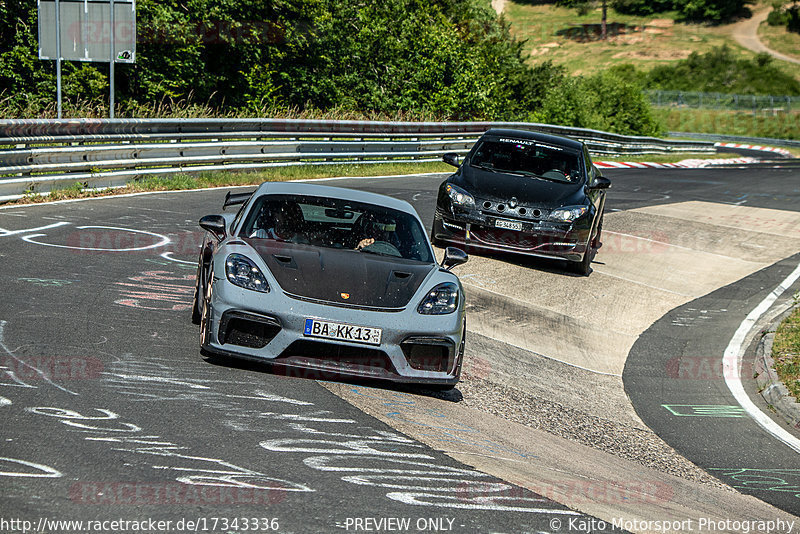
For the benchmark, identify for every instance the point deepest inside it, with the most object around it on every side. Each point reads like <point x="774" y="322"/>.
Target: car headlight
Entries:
<point x="568" y="214"/>
<point x="440" y="300"/>
<point x="243" y="273"/>
<point x="459" y="196"/>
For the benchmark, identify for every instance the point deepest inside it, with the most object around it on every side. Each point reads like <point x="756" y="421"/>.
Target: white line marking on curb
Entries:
<point x="732" y="360"/>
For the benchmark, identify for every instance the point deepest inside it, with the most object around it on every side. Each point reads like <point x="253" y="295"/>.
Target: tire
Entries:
<point x="597" y="241"/>
<point x="205" y="320"/>
<point x="196" y="313"/>
<point x="584" y="267"/>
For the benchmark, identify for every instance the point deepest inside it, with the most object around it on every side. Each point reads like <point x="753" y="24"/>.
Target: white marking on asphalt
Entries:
<point x="311" y="418"/>
<point x="26" y="364"/>
<point x="732" y="361"/>
<point x="262" y="395"/>
<point x="168" y="256"/>
<point x="4" y="232"/>
<point x="162" y="379"/>
<point x="164" y="240"/>
<point x="46" y="472"/>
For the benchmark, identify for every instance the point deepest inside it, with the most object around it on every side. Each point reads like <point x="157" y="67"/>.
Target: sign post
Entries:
<point x="58" y="56"/>
<point x="88" y="30"/>
<point x="112" y="55"/>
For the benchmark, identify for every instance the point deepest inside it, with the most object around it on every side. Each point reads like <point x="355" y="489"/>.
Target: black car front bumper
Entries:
<point x="566" y="241"/>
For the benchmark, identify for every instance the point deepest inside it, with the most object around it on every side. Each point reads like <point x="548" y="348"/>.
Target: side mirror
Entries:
<point x="214" y="224"/>
<point x="600" y="182"/>
<point x="451" y="158"/>
<point x="454" y="256"/>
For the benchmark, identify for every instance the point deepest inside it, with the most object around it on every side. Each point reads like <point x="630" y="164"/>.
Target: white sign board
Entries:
<point x="86" y="30"/>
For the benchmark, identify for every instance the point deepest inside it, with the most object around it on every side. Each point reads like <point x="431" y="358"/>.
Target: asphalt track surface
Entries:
<point x="111" y="413"/>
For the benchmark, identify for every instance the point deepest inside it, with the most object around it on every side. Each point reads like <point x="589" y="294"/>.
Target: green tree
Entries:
<point x="721" y="71"/>
<point x="642" y="7"/>
<point x="605" y="101"/>
<point x="585" y="6"/>
<point x="712" y="10"/>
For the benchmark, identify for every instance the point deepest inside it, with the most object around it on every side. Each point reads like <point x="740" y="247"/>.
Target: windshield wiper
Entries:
<point x="484" y="167"/>
<point x="377" y="253"/>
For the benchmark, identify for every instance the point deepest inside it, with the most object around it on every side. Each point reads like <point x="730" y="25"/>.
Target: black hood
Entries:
<point x="327" y="273"/>
<point x="527" y="190"/>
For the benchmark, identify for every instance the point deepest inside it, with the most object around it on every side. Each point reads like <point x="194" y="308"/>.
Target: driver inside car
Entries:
<point x="281" y="223"/>
<point x="375" y="230"/>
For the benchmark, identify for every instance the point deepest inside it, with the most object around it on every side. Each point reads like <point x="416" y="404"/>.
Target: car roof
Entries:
<point x="314" y="190"/>
<point x="536" y="136"/>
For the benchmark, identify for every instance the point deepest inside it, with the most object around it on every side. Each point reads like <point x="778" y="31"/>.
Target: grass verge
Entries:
<point x="780" y="39"/>
<point x="202" y="180"/>
<point x="786" y="352"/>
<point x="780" y="125"/>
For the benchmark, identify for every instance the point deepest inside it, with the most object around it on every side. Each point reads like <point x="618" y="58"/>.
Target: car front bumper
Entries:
<point x="537" y="238"/>
<point x="414" y="348"/>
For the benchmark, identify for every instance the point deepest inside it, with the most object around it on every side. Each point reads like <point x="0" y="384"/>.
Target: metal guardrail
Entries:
<point x="41" y="155"/>
<point x="719" y="138"/>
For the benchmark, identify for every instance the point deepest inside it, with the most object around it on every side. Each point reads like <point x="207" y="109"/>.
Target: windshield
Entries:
<point x="335" y="223"/>
<point x="528" y="158"/>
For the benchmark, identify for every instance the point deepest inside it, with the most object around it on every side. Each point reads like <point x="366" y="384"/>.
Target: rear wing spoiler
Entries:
<point x="234" y="199"/>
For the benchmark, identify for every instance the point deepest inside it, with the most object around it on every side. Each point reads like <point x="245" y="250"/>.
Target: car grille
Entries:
<point x="429" y="354"/>
<point x="245" y="330"/>
<point x="521" y="212"/>
<point x="508" y="238"/>
<point x="344" y="354"/>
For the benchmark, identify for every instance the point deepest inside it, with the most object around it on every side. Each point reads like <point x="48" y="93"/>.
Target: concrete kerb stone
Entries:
<point x="770" y="386"/>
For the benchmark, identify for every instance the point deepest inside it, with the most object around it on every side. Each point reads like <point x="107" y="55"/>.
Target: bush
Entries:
<point x="785" y="16"/>
<point x="605" y="101"/>
<point x="712" y="10"/>
<point x="720" y="71"/>
<point x="642" y="7"/>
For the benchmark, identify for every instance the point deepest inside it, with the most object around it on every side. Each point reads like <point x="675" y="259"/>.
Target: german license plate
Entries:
<point x="343" y="332"/>
<point x="508" y="225"/>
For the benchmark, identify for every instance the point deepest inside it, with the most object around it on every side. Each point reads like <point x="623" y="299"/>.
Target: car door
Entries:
<point x="596" y="196"/>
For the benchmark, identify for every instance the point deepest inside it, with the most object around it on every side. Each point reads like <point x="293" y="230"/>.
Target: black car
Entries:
<point x="524" y="192"/>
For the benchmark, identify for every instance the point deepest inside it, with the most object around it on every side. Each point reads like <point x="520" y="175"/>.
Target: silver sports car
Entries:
<point x="331" y="281"/>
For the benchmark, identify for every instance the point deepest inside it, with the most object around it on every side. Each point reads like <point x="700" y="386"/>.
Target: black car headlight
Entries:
<point x="459" y="197"/>
<point x="440" y="300"/>
<point x="242" y="272"/>
<point x="568" y="214"/>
